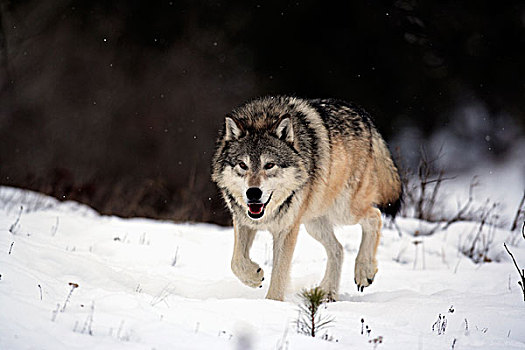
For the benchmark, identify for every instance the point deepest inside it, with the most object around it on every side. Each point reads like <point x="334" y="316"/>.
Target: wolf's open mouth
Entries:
<point x="256" y="209"/>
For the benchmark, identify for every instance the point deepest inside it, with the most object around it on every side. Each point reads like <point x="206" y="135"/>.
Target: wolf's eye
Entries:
<point x="268" y="166"/>
<point x="243" y="166"/>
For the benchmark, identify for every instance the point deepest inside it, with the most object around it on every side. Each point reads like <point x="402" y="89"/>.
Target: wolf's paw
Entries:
<point x="331" y="296"/>
<point x="331" y="293"/>
<point x="365" y="271"/>
<point x="248" y="272"/>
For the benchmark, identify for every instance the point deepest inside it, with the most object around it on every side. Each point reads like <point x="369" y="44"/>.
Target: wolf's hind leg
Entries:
<point x="322" y="230"/>
<point x="242" y="266"/>
<point x="366" y="263"/>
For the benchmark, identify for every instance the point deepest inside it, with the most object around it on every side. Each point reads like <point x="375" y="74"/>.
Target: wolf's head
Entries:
<point x="258" y="166"/>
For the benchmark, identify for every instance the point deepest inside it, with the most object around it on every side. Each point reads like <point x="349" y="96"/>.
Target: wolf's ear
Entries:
<point x="284" y="130"/>
<point x="233" y="131"/>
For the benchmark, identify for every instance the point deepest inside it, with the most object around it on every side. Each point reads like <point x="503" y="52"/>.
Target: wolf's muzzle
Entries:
<point x="255" y="207"/>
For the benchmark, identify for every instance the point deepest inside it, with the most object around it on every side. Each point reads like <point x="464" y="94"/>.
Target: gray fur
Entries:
<point x="318" y="162"/>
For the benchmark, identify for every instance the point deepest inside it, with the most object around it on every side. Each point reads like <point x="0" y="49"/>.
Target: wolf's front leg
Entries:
<point x="242" y="266"/>
<point x="323" y="231"/>
<point x="366" y="263"/>
<point x="283" y="247"/>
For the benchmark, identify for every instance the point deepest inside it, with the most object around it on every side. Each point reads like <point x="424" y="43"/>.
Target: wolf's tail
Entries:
<point x="390" y="189"/>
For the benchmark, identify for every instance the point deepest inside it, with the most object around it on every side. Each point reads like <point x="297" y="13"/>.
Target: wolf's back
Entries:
<point x="350" y="120"/>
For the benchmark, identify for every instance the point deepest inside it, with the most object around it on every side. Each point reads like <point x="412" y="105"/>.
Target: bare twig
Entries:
<point x="89" y="321"/>
<point x="161" y="297"/>
<point x="461" y="212"/>
<point x="73" y="287"/>
<point x="522" y="271"/>
<point x="16" y="224"/>
<point x="423" y="173"/>
<point x="174" y="261"/>
<point x="432" y="200"/>
<point x="440" y="326"/>
<point x="440" y="179"/>
<point x="422" y="188"/>
<point x="55" y="313"/>
<point x="54" y="228"/>
<point x="399" y="232"/>
<point x="425" y="206"/>
<point x="518" y="213"/>
<point x="478" y="253"/>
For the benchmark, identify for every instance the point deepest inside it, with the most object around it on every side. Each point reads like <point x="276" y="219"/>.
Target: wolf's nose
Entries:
<point x="254" y="194"/>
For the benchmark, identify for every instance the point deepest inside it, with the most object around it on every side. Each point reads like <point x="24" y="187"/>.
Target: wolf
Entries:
<point x="283" y="161"/>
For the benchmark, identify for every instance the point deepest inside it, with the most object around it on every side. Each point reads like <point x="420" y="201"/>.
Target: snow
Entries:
<point x="129" y="295"/>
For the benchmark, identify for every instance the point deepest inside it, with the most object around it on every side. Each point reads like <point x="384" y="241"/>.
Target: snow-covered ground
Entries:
<point x="145" y="284"/>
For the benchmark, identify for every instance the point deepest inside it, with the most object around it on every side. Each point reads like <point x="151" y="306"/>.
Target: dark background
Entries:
<point x="117" y="103"/>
